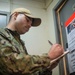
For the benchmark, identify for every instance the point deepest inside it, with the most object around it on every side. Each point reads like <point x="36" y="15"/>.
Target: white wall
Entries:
<point x="36" y="39"/>
<point x="52" y="28"/>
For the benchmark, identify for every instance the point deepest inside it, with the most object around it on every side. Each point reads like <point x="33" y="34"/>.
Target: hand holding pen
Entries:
<point x="58" y="56"/>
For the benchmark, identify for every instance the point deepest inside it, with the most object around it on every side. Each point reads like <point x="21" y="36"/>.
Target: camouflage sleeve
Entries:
<point x="27" y="64"/>
<point x="45" y="72"/>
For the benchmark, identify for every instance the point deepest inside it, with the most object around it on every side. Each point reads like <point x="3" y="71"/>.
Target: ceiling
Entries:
<point x="39" y="0"/>
<point x="46" y="2"/>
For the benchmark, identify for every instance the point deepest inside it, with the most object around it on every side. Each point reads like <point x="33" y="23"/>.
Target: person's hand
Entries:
<point x="55" y="51"/>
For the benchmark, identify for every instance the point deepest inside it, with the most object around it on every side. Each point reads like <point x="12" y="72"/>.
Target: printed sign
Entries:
<point x="70" y="32"/>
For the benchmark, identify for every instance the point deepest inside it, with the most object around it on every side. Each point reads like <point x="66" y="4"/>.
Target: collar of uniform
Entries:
<point x="14" y="33"/>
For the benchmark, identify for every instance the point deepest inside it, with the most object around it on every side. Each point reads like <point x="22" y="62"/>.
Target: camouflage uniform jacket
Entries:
<point x="14" y="59"/>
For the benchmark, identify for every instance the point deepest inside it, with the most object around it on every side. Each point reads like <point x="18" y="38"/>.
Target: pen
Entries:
<point x="50" y="43"/>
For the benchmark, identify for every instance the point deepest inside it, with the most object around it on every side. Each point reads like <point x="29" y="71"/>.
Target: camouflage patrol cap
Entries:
<point x="36" y="20"/>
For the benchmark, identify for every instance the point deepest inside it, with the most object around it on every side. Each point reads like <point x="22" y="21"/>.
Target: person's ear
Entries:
<point x="15" y="15"/>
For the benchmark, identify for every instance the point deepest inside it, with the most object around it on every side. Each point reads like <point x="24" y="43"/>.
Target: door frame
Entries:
<point x="56" y="12"/>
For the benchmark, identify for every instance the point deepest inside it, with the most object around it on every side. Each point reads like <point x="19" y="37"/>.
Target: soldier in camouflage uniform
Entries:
<point x="14" y="59"/>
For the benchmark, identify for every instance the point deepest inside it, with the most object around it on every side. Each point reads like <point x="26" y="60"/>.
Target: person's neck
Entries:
<point x="11" y="27"/>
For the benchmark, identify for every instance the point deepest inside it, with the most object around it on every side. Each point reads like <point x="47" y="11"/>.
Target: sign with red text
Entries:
<point x="70" y="32"/>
